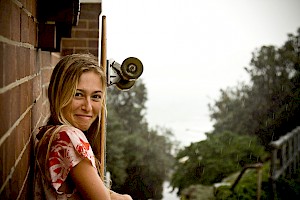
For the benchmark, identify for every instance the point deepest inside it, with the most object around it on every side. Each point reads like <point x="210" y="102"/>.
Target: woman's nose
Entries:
<point x="87" y="106"/>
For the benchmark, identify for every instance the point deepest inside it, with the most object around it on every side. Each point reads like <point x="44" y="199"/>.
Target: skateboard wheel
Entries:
<point x="124" y="84"/>
<point x="131" y="68"/>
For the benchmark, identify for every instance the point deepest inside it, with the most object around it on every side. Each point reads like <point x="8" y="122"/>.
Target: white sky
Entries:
<point x="191" y="49"/>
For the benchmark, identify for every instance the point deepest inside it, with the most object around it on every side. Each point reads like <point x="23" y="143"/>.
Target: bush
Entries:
<point x="197" y="192"/>
<point x="247" y="186"/>
<point x="287" y="188"/>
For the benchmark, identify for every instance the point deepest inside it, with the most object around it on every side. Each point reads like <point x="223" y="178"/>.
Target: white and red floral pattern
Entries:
<point x="62" y="156"/>
<point x="68" y="148"/>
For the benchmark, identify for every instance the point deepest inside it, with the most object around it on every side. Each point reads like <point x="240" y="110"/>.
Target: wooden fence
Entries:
<point x="285" y="157"/>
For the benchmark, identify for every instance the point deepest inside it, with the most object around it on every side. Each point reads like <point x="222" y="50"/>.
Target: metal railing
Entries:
<point x="258" y="167"/>
<point x="285" y="157"/>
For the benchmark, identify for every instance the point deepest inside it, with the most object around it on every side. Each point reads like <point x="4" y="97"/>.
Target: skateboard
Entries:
<point x="124" y="75"/>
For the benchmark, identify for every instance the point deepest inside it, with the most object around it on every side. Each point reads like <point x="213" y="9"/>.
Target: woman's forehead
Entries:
<point x="91" y="81"/>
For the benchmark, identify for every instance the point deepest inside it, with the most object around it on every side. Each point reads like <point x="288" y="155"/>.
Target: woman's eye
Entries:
<point x="78" y="94"/>
<point x="96" y="96"/>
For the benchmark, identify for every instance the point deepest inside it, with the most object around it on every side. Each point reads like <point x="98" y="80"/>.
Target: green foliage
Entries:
<point x="269" y="106"/>
<point x="263" y="110"/>
<point x="247" y="187"/>
<point x="289" y="187"/>
<point x="197" y="192"/>
<point x="138" y="159"/>
<point x="211" y="160"/>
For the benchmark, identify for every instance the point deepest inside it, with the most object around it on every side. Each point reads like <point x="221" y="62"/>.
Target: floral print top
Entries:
<point x="60" y="149"/>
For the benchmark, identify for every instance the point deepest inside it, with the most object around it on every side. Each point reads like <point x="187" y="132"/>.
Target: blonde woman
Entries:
<point x="66" y="166"/>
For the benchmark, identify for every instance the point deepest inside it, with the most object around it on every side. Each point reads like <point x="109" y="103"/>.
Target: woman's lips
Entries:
<point x="84" y="117"/>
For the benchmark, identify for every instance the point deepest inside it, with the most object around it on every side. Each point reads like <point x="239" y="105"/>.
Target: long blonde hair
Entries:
<point x="62" y="88"/>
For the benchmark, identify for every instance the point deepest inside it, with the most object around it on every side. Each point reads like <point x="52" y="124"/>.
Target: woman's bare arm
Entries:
<point x="90" y="185"/>
<point x="88" y="182"/>
<point x="116" y="196"/>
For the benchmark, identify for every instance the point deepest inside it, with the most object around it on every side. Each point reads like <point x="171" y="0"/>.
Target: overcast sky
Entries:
<point x="191" y="49"/>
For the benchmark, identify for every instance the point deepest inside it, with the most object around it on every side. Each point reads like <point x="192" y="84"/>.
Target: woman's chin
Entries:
<point x="83" y="127"/>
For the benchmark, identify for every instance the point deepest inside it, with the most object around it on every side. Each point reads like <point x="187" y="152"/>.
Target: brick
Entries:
<point x="46" y="110"/>
<point x="67" y="43"/>
<point x="29" y="6"/>
<point x="93" y="43"/>
<point x="86" y="34"/>
<point x="7" y="151"/>
<point x="34" y="68"/>
<point x="4" y="114"/>
<point x="5" y="16"/>
<point x="45" y="59"/>
<point x="15" y="104"/>
<point x="82" y="24"/>
<point x="15" y="23"/>
<point x="44" y="93"/>
<point x="27" y="193"/>
<point x="32" y="32"/>
<point x="18" y="146"/>
<point x="90" y="10"/>
<point x="15" y="186"/>
<point x="19" y="175"/>
<point x="24" y="27"/>
<point x="36" y="114"/>
<point x="6" y="192"/>
<point x="1" y="65"/>
<point x="94" y="34"/>
<point x="9" y="63"/>
<point x="93" y="24"/>
<point x="36" y="88"/>
<point x="3" y="170"/>
<point x="37" y="111"/>
<point x="46" y="75"/>
<point x="27" y="67"/>
<point x="24" y="97"/>
<point x="30" y="92"/>
<point x="33" y="8"/>
<point x="80" y="34"/>
<point x="20" y="62"/>
<point x="24" y="194"/>
<point x="25" y="129"/>
<point x="23" y="2"/>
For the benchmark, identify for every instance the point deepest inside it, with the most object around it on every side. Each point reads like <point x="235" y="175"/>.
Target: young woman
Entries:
<point x="66" y="166"/>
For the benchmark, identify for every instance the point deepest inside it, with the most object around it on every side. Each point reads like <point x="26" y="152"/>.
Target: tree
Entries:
<point x="269" y="106"/>
<point x="139" y="159"/>
<point x="246" y="116"/>
<point x="209" y="161"/>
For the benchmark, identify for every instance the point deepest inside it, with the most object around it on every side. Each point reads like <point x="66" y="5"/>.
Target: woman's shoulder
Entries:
<point x="58" y="129"/>
<point x="72" y="131"/>
<point x="69" y="128"/>
<point x="74" y="136"/>
<point x="61" y="132"/>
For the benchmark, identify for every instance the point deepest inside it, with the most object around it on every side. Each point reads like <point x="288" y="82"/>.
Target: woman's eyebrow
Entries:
<point x="81" y="90"/>
<point x="100" y="91"/>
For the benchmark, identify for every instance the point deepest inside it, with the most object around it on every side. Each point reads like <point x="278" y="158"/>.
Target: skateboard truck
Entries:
<point x="124" y="75"/>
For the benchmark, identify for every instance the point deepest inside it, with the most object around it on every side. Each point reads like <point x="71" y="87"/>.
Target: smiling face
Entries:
<point x="85" y="106"/>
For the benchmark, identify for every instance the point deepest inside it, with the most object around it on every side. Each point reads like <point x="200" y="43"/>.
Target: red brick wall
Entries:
<point x="24" y="77"/>
<point x="85" y="35"/>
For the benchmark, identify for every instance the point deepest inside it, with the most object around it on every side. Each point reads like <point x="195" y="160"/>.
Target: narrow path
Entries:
<point x="167" y="194"/>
